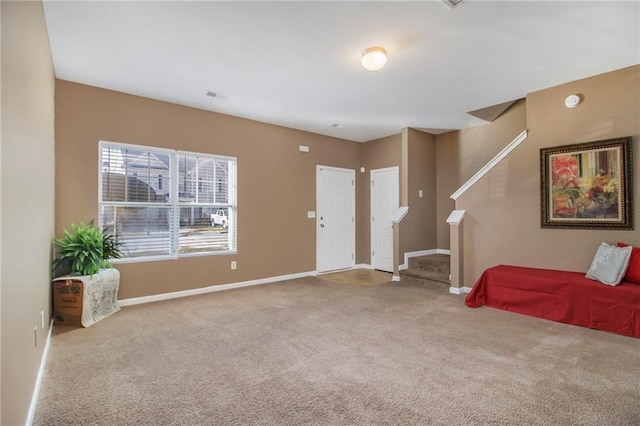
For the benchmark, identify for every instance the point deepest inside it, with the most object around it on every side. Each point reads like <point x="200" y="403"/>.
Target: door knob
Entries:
<point x="321" y="225"/>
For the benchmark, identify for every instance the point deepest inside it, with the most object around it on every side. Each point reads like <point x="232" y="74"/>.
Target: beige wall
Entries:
<point x="276" y="182"/>
<point x="377" y="154"/>
<point x="272" y="177"/>
<point x="447" y="182"/>
<point x="418" y="228"/>
<point x="27" y="223"/>
<point x="479" y="144"/>
<point x="502" y="225"/>
<point x="381" y="153"/>
<point x="463" y="152"/>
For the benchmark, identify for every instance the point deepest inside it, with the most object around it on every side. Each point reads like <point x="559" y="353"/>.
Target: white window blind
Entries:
<point x="165" y="203"/>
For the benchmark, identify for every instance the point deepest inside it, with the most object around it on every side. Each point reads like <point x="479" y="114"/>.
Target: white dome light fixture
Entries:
<point x="572" y="101"/>
<point x="374" y="58"/>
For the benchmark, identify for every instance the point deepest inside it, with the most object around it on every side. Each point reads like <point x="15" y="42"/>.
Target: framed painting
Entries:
<point x="588" y="185"/>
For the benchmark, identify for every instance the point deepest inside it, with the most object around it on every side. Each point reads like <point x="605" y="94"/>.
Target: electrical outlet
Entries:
<point x="234" y="265"/>
<point x="41" y="320"/>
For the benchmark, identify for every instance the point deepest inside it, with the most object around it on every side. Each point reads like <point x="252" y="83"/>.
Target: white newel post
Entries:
<point x="457" y="251"/>
<point x="396" y="218"/>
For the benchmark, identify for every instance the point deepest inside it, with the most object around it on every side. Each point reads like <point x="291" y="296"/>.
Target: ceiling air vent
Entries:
<point x="452" y="3"/>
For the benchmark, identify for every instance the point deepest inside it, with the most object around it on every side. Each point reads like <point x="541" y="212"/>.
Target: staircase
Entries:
<point x="427" y="270"/>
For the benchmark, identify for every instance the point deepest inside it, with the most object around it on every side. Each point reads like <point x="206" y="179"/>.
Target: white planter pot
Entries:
<point x="97" y="294"/>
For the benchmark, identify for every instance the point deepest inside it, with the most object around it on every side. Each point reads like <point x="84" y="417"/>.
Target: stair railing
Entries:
<point x="456" y="217"/>
<point x="491" y="164"/>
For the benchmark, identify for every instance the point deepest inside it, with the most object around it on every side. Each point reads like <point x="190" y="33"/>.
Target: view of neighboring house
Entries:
<point x="136" y="199"/>
<point x="200" y="180"/>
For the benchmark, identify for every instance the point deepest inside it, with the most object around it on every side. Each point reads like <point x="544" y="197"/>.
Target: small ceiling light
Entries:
<point x="572" y="101"/>
<point x="374" y="58"/>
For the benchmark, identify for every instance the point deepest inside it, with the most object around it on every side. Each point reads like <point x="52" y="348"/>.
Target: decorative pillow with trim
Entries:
<point x="633" y="270"/>
<point x="609" y="264"/>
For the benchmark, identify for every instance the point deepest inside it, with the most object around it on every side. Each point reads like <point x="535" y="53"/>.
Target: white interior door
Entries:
<point x="335" y="218"/>
<point x="385" y="200"/>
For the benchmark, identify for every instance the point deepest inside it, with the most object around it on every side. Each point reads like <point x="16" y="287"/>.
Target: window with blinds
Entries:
<point x="163" y="203"/>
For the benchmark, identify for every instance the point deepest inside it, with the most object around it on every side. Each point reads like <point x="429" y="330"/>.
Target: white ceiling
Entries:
<point x="296" y="63"/>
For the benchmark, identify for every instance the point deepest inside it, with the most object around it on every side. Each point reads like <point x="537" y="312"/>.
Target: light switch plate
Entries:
<point x="311" y="215"/>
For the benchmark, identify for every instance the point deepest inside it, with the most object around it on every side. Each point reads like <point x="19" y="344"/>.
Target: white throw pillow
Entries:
<point x="609" y="264"/>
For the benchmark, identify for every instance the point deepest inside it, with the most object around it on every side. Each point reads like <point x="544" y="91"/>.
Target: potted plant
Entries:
<point x="84" y="251"/>
<point x="87" y="285"/>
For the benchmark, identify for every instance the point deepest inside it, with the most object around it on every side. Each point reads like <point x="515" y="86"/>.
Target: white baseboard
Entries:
<point x="211" y="289"/>
<point x="36" y="391"/>
<point x="459" y="290"/>
<point x="410" y="254"/>
<point x="363" y="266"/>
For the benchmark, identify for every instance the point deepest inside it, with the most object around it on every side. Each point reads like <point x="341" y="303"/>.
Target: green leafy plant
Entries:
<point x="84" y="250"/>
<point x="110" y="248"/>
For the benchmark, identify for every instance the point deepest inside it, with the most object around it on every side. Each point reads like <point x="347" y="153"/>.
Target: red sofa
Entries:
<point x="560" y="296"/>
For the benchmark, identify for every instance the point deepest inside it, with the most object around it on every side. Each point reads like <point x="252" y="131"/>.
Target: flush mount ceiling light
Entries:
<point x="374" y="58"/>
<point x="572" y="101"/>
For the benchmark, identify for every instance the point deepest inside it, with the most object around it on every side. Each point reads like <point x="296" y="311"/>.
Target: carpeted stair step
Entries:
<point x="417" y="276"/>
<point x="437" y="263"/>
<point x="428" y="270"/>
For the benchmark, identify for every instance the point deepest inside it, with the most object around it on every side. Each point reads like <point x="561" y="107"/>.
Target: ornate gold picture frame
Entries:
<point x="588" y="185"/>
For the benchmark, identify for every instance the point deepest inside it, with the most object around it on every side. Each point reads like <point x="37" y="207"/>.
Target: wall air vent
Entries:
<point x="452" y="3"/>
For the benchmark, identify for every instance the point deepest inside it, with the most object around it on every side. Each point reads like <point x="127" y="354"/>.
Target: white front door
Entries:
<point x="384" y="202"/>
<point x="335" y="218"/>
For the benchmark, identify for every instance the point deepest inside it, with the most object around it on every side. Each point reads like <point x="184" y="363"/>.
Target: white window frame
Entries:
<point x="174" y="203"/>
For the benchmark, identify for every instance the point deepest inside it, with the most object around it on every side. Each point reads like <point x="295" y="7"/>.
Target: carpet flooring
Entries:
<point x="309" y="351"/>
<point x="358" y="277"/>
